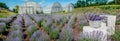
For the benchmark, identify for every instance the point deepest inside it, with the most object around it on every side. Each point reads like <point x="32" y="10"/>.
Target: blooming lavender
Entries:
<point x="71" y="21"/>
<point x="36" y="18"/>
<point x="18" y="21"/>
<point x="31" y="29"/>
<point x="39" y="36"/>
<point x="28" y="21"/>
<point x="82" y="20"/>
<point x="44" y="26"/>
<point x="5" y="20"/>
<point x="66" y="33"/>
<point x="16" y="27"/>
<point x="94" y="17"/>
<point x="54" y="33"/>
<point x="64" y="20"/>
<point x="15" y="36"/>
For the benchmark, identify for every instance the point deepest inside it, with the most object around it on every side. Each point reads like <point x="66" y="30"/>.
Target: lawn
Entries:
<point x="6" y="13"/>
<point x="109" y="9"/>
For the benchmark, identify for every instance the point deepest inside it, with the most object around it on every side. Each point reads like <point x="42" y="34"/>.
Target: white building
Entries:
<point x="47" y="9"/>
<point x="54" y="8"/>
<point x="30" y="7"/>
<point x="69" y="8"/>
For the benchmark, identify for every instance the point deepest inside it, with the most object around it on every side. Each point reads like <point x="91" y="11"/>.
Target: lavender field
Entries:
<point x="59" y="20"/>
<point x="41" y="27"/>
<point x="46" y="27"/>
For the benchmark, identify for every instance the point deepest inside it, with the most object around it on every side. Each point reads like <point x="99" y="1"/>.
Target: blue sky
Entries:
<point x="12" y="3"/>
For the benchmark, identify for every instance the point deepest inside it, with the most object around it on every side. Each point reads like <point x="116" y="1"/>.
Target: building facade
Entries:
<point x="30" y="7"/>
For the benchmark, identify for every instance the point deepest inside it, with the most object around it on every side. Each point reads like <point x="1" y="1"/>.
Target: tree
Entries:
<point x="83" y="3"/>
<point x="117" y="2"/>
<point x="101" y="2"/>
<point x="111" y="2"/>
<point x="15" y="9"/>
<point x="80" y="3"/>
<point x="3" y="5"/>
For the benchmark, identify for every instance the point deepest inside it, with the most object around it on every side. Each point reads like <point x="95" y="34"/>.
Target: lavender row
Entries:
<point x="18" y="21"/>
<point x="27" y="20"/>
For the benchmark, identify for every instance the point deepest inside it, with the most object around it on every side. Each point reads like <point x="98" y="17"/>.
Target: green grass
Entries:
<point x="108" y="9"/>
<point x="116" y="36"/>
<point x="6" y="13"/>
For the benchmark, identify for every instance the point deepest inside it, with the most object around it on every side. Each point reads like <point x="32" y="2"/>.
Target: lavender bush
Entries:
<point x="66" y="33"/>
<point x="54" y="32"/>
<point x="94" y="17"/>
<point x="38" y="36"/>
<point x="28" y="21"/>
<point x="82" y="20"/>
<point x="44" y="26"/>
<point x="15" y="36"/>
<point x="16" y="27"/>
<point x="63" y="20"/>
<point x="49" y="21"/>
<point x="31" y="30"/>
<point x="71" y="21"/>
<point x="18" y="21"/>
<point x="5" y="20"/>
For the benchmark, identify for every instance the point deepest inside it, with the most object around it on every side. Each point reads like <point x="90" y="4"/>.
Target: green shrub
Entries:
<point x="118" y="22"/>
<point x="54" y="33"/>
<point x="109" y="7"/>
<point x="81" y="27"/>
<point x="44" y="25"/>
<point x="31" y="30"/>
<point x="116" y="36"/>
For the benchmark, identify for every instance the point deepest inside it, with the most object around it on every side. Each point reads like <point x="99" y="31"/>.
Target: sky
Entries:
<point x="12" y="3"/>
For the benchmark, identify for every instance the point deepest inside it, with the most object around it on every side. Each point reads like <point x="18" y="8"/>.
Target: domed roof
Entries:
<point x="56" y="7"/>
<point x="30" y="3"/>
<point x="70" y="5"/>
<point x="56" y="4"/>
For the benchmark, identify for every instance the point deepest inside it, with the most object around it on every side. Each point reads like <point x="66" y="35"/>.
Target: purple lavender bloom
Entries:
<point x="31" y="29"/>
<point x="16" y="27"/>
<point x="5" y="20"/>
<point x="38" y="36"/>
<point x="94" y="17"/>
<point x="15" y="36"/>
<point x="66" y="34"/>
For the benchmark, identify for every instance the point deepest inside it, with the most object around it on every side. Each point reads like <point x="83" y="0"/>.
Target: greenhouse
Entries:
<point x="30" y="7"/>
<point x="56" y="7"/>
<point x="69" y="8"/>
<point x="53" y="8"/>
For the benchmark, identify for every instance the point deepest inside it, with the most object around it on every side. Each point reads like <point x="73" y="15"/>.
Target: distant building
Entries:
<point x="30" y="7"/>
<point x="69" y="8"/>
<point x="47" y="9"/>
<point x="54" y="8"/>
